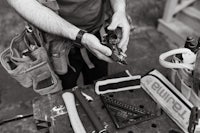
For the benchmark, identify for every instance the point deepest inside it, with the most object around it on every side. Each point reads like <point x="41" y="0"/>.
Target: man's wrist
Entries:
<point x="120" y="12"/>
<point x="118" y="5"/>
<point x="79" y="36"/>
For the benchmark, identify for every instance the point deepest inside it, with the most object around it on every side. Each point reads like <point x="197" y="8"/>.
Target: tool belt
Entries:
<point x="181" y="74"/>
<point x="34" y="57"/>
<point x="27" y="61"/>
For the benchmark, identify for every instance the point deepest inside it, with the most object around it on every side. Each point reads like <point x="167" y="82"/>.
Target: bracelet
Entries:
<point x="79" y="36"/>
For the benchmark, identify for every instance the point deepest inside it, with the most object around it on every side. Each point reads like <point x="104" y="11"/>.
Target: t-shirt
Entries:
<point x="85" y="14"/>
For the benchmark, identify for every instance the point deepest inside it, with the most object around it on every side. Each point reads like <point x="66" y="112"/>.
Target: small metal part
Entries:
<point x="29" y="29"/>
<point x="15" y="118"/>
<point x="111" y="39"/>
<point x="58" y="110"/>
<point x="28" y="53"/>
<point x="191" y="44"/>
<point x="87" y="97"/>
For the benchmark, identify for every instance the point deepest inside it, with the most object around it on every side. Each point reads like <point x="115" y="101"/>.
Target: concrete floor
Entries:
<point x="145" y="46"/>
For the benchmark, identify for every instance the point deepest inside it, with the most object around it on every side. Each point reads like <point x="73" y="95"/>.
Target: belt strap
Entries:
<point x="85" y="56"/>
<point x="67" y="57"/>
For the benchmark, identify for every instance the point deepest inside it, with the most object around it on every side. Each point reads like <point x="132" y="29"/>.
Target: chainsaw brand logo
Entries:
<point x="170" y="103"/>
<point x="175" y="105"/>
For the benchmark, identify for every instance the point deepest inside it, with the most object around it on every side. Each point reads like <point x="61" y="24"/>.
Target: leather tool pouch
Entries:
<point x="58" y="50"/>
<point x="27" y="61"/>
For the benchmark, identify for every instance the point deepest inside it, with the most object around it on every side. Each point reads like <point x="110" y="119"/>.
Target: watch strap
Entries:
<point x="80" y="36"/>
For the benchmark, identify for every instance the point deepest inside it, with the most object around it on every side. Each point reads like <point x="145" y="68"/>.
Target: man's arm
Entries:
<point x="44" y="18"/>
<point x="119" y="19"/>
<point x="118" y="5"/>
<point x="49" y="21"/>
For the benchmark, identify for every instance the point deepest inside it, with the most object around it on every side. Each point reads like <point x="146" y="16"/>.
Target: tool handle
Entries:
<point x="73" y="114"/>
<point x="90" y="113"/>
<point x="196" y="74"/>
<point x="168" y="64"/>
<point x="193" y="121"/>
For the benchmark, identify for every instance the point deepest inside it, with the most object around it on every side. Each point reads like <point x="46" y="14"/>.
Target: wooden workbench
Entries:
<point x="42" y="108"/>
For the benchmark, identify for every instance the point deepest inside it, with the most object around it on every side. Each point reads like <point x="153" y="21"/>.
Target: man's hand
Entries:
<point x="93" y="44"/>
<point x="119" y="20"/>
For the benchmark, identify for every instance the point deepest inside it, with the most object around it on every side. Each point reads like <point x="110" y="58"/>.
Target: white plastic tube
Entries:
<point x="72" y="112"/>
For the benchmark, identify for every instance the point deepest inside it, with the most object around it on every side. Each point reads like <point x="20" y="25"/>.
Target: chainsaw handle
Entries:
<point x="196" y="74"/>
<point x="167" y="64"/>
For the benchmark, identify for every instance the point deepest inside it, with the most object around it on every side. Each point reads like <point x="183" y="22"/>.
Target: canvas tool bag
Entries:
<point x="27" y="61"/>
<point x="181" y="74"/>
<point x="58" y="48"/>
<point x="34" y="56"/>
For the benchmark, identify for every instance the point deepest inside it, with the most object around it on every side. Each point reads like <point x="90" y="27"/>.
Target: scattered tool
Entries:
<point x="124" y="115"/>
<point x="111" y="39"/>
<point x="194" y="119"/>
<point x="87" y="97"/>
<point x="15" y="118"/>
<point x="90" y="113"/>
<point x="75" y="121"/>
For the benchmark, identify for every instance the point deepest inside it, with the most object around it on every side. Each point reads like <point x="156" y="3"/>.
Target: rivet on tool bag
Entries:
<point x="27" y="61"/>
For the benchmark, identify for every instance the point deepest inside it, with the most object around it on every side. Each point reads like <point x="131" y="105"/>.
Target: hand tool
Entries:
<point x="90" y="113"/>
<point x="194" y="119"/>
<point x="123" y="114"/>
<point x="111" y="39"/>
<point x="15" y="118"/>
<point x="76" y="123"/>
<point x="87" y="97"/>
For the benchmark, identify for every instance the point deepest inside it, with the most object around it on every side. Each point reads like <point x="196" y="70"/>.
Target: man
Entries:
<point x="74" y="17"/>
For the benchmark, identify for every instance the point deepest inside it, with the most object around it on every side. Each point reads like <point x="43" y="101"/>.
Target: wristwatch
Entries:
<point x="79" y="37"/>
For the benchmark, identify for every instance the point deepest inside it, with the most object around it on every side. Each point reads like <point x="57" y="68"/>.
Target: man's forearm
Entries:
<point x="118" y="5"/>
<point x="44" y="18"/>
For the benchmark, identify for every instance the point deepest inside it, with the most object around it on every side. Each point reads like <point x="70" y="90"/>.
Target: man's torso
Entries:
<point x="85" y="14"/>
